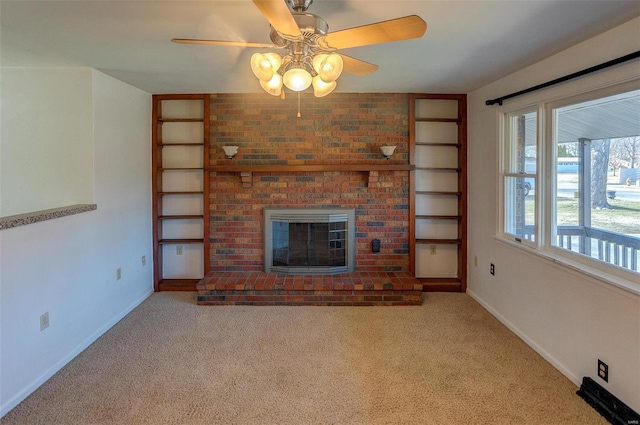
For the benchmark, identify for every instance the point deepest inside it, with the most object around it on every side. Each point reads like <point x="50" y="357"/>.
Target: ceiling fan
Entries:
<point x="310" y="50"/>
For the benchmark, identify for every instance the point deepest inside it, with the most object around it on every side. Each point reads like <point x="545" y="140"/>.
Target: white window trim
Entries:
<point x="545" y="101"/>
<point x="507" y="133"/>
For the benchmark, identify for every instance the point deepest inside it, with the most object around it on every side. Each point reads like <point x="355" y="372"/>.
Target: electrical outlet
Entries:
<point x="475" y="260"/>
<point x="179" y="250"/>
<point x="492" y="269"/>
<point x="433" y="250"/>
<point x="44" y="321"/>
<point x="603" y="370"/>
<point x="118" y="273"/>
<point x="144" y="261"/>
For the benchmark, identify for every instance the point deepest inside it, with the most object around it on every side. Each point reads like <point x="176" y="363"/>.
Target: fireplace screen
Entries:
<point x="309" y="240"/>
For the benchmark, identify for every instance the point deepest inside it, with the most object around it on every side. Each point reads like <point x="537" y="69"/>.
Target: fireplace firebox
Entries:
<point x="309" y="240"/>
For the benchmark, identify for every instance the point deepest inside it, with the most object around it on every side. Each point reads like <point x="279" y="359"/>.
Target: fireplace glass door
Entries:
<point x="309" y="241"/>
<point x="309" y="244"/>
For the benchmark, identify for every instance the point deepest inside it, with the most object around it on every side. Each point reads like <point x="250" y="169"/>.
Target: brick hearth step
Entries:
<point x="347" y="289"/>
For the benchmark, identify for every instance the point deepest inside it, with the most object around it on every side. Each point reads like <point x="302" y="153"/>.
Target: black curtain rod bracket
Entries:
<point x="608" y="64"/>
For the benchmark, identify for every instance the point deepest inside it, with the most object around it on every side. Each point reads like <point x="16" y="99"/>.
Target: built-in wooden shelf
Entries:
<point x="179" y="241"/>
<point x="449" y="145"/>
<point x="437" y="192"/>
<point x="176" y="160"/>
<point x="179" y="217"/>
<point x="162" y="145"/>
<point x="178" y="284"/>
<point x="433" y="157"/>
<point x="440" y="217"/>
<point x="179" y="168"/>
<point x="440" y="284"/>
<point x="180" y="193"/>
<point x="439" y="241"/>
<point x="161" y="120"/>
<point x="439" y="279"/>
<point x="453" y="120"/>
<point x="439" y="169"/>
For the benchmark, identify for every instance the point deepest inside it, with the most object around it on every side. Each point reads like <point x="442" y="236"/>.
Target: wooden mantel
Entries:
<point x="311" y="167"/>
<point x="247" y="170"/>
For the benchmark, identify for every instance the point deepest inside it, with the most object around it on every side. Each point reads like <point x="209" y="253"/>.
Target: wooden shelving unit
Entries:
<point x="180" y="185"/>
<point x="438" y="192"/>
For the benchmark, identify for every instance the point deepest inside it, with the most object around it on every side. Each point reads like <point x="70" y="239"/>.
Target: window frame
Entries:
<point x="546" y="182"/>
<point x="508" y="132"/>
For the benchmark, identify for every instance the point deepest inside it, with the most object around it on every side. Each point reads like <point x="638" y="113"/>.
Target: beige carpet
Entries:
<point x="173" y="362"/>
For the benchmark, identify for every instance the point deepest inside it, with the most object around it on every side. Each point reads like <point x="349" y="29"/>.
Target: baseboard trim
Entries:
<point x="531" y="343"/>
<point x="36" y="383"/>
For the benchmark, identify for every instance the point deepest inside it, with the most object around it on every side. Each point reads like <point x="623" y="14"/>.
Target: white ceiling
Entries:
<point x="467" y="44"/>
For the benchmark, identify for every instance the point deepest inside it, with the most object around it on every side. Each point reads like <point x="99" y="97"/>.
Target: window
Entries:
<point x="520" y="175"/>
<point x="594" y="212"/>
<point x="586" y="212"/>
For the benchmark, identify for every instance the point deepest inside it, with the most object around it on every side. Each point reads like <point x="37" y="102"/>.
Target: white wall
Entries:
<point x="67" y="266"/>
<point x="568" y="317"/>
<point x="45" y="128"/>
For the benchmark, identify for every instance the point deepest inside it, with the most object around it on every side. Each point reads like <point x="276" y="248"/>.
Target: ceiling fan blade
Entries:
<point x="357" y="66"/>
<point x="279" y="16"/>
<point x="223" y="43"/>
<point x="381" y="32"/>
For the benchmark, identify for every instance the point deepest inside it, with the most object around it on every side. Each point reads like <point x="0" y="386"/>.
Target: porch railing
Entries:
<point x="610" y="247"/>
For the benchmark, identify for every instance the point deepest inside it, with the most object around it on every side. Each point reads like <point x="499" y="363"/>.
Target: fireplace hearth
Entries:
<point x="347" y="289"/>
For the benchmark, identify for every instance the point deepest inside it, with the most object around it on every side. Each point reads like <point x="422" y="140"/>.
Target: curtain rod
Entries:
<point x="608" y="64"/>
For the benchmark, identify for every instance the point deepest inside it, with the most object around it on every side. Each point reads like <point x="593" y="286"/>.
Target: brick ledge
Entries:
<point x="260" y="288"/>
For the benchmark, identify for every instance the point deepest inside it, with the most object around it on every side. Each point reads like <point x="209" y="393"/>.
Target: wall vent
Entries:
<point x="606" y="403"/>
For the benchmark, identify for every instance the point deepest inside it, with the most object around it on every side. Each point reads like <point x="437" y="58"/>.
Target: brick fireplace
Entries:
<point x="314" y="153"/>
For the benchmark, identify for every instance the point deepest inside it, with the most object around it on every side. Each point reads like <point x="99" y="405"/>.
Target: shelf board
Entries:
<point x="440" y="284"/>
<point x="178" y="284"/>
<point x="440" y="217"/>
<point x="439" y="169"/>
<point x="439" y="241"/>
<point x="162" y="145"/>
<point x="452" y="145"/>
<point x="179" y="168"/>
<point x="179" y="217"/>
<point x="180" y="241"/>
<point x="436" y="192"/>
<point x="163" y="120"/>
<point x="181" y="193"/>
<point x="453" y="120"/>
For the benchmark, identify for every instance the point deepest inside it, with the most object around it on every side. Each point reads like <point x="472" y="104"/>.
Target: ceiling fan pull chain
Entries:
<point x="299" y="105"/>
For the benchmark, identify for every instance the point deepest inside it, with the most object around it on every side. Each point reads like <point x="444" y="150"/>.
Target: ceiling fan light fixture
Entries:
<point x="320" y="88"/>
<point x="273" y="86"/>
<point x="265" y="65"/>
<point x="297" y="79"/>
<point x="328" y="66"/>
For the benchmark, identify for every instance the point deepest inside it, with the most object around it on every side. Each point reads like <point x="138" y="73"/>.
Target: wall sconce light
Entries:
<point x="387" y="151"/>
<point x="230" y="151"/>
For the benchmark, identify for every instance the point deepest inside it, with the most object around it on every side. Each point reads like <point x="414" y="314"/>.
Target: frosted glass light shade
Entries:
<point x="320" y="88"/>
<point x="273" y="86"/>
<point x="387" y="151"/>
<point x="297" y="79"/>
<point x="264" y="65"/>
<point x="230" y="151"/>
<point x="328" y="66"/>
